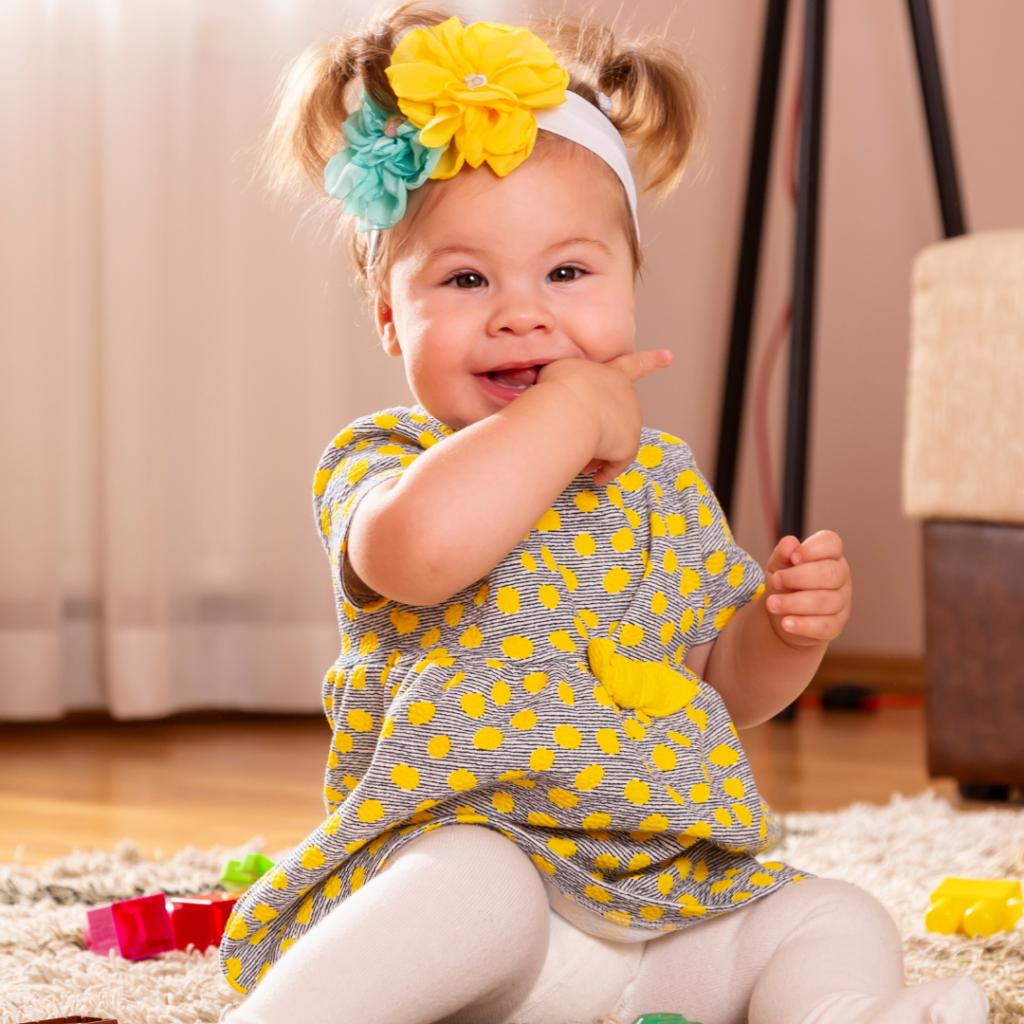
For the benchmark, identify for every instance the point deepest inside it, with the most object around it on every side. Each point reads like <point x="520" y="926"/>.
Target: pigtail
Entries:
<point x="313" y="93"/>
<point x="655" y="99"/>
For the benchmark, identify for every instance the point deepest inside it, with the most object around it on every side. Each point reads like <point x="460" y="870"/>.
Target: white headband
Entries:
<point x="581" y="122"/>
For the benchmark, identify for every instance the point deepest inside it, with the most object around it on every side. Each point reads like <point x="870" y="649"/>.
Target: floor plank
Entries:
<point x="168" y="785"/>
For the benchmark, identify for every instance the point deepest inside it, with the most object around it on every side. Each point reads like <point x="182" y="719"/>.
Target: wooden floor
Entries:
<point x="168" y="785"/>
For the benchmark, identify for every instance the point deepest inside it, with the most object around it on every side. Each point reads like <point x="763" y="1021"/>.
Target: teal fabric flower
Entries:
<point x="382" y="160"/>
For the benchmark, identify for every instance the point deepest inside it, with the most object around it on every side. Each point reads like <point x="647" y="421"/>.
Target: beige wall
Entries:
<point x="878" y="210"/>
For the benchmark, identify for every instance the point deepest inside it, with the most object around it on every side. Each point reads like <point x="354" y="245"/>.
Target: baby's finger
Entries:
<point x="820" y="545"/>
<point x="638" y="364"/>
<point x="808" y="602"/>
<point x="813" y="627"/>
<point x="826" y="575"/>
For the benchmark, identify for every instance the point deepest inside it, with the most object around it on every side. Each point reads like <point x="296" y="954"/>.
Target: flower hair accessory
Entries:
<point x="474" y="90"/>
<point x="384" y="157"/>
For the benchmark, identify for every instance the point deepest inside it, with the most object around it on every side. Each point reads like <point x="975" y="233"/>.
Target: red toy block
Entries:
<point x="136" y="929"/>
<point x="200" y="920"/>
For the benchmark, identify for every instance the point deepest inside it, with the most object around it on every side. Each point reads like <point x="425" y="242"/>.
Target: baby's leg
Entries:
<point x="818" y="952"/>
<point x="456" y="929"/>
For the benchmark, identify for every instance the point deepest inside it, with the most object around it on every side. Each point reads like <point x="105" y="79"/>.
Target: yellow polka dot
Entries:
<point x="614" y="495"/>
<point x="562" y="847"/>
<point x="542" y="759"/>
<point x="700" y="793"/>
<point x="723" y="617"/>
<point x="716" y="563"/>
<point x="472" y="637"/>
<point x="590" y="777"/>
<point x="631" y="481"/>
<point x="404" y="776"/>
<point x="548" y="596"/>
<point x="659" y="602"/>
<point x="453" y="614"/>
<point x="535" y="682"/>
<point x="342" y="742"/>
<point x="654" y="823"/>
<point x="637" y="791"/>
<point x="666" y="633"/>
<point x="651" y="913"/>
<point x="528" y="561"/>
<point x="567" y="736"/>
<point x="563" y="798"/>
<point x="357" y="880"/>
<point x="686" y="620"/>
<point x="551" y="520"/>
<point x="606" y="862"/>
<point x="615" y="580"/>
<point x="723" y="817"/>
<point x="597" y="894"/>
<point x="623" y="540"/>
<point x="427" y="439"/>
<point x="597" y="820"/>
<point x="480" y="597"/>
<point x="734" y="787"/>
<point x="312" y="859"/>
<point x="524" y="720"/>
<point x="430" y="637"/>
<point x="689" y="580"/>
<point x="518" y="647"/>
<point x="633" y="729"/>
<point x="586" y="501"/>
<point x="461" y="780"/>
<point x="503" y="802"/>
<point x="589" y="617"/>
<point x="439" y="747"/>
<point x="561" y="640"/>
<point x="473" y="704"/>
<point x="549" y="559"/>
<point x="359" y="720"/>
<point x="723" y="755"/>
<point x="664" y="757"/>
<point x="343" y="438"/>
<point x="488" y="738"/>
<point x="508" y="600"/>
<point x="571" y="581"/>
<point x="543" y="863"/>
<point x="585" y="545"/>
<point x="639" y="861"/>
<point x="631" y="635"/>
<point x="421" y="712"/>
<point x="603" y="697"/>
<point x="704" y="516"/>
<point x="686" y="479"/>
<point x="279" y="880"/>
<point x="665" y="883"/>
<point x="404" y="622"/>
<point x="743" y="813"/>
<point x="332" y="887"/>
<point x="501" y="693"/>
<point x="370" y="811"/>
<point x="736" y="575"/>
<point x="676" y="524"/>
<point x="649" y="456"/>
<point x="608" y="740"/>
<point x="541" y="819"/>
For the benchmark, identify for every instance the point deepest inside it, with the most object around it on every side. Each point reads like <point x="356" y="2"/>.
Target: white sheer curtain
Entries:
<point x="174" y="355"/>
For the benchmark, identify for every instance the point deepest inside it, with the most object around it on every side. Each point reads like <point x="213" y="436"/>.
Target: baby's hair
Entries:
<point x="653" y="93"/>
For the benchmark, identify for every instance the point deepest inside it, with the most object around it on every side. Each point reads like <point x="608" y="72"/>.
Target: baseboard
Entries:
<point x="881" y="672"/>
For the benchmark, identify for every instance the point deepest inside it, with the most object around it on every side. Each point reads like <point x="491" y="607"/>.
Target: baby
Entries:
<point x="540" y="809"/>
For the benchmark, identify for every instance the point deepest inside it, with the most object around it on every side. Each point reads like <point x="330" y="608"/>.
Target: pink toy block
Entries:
<point x="135" y="929"/>
<point x="199" y="920"/>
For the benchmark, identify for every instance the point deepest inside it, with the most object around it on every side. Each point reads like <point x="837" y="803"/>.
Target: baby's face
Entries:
<point x="500" y="276"/>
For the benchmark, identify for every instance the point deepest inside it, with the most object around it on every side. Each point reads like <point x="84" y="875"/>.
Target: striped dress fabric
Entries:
<point x="548" y="701"/>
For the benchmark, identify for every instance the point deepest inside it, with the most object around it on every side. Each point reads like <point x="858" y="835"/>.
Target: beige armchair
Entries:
<point x="963" y="474"/>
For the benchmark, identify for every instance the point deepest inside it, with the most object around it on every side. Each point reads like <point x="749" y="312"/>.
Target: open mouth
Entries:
<point x="510" y="381"/>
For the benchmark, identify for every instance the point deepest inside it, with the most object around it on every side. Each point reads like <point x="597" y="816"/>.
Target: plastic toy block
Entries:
<point x="73" y="1020"/>
<point x="663" y="1018"/>
<point x="135" y="929"/>
<point x="199" y="921"/>
<point x="974" y="907"/>
<point x="240" y="874"/>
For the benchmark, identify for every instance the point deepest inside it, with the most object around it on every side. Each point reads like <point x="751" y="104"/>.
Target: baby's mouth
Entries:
<point x="518" y="379"/>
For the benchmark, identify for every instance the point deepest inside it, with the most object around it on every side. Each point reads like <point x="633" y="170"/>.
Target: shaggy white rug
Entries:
<point x="899" y="853"/>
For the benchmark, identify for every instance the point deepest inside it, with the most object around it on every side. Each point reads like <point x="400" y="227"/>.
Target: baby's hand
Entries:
<point x="809" y="589"/>
<point x="606" y="390"/>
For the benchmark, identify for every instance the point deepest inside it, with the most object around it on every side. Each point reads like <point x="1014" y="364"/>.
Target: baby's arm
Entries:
<point x="770" y="650"/>
<point x="466" y="503"/>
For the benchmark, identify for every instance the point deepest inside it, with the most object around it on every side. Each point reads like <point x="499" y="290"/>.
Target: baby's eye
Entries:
<point x="468" y="280"/>
<point x="561" y="274"/>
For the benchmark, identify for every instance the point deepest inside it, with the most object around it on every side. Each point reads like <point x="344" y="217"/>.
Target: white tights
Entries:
<point x="456" y="931"/>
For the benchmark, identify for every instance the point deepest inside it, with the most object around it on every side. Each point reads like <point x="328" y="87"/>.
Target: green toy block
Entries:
<point x="663" y="1018"/>
<point x="241" y="874"/>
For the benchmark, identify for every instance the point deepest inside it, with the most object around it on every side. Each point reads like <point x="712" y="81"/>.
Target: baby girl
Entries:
<point x="539" y="806"/>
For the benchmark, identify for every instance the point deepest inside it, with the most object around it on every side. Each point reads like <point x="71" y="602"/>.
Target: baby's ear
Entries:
<point x="385" y="321"/>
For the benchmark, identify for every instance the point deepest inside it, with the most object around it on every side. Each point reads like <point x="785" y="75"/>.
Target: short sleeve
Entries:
<point x="366" y="453"/>
<point x="720" y="575"/>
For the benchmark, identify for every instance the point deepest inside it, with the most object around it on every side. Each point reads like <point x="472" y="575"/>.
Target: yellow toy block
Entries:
<point x="974" y="907"/>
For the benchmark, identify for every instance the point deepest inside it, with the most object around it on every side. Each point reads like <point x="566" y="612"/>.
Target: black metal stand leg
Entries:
<point x="805" y="263"/>
<point x="750" y="252"/>
<point x="938" y="119"/>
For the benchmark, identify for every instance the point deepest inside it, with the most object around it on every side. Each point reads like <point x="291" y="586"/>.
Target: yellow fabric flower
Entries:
<point x="474" y="90"/>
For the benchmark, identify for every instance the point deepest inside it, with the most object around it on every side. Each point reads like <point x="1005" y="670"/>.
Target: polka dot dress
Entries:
<point x="549" y="701"/>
